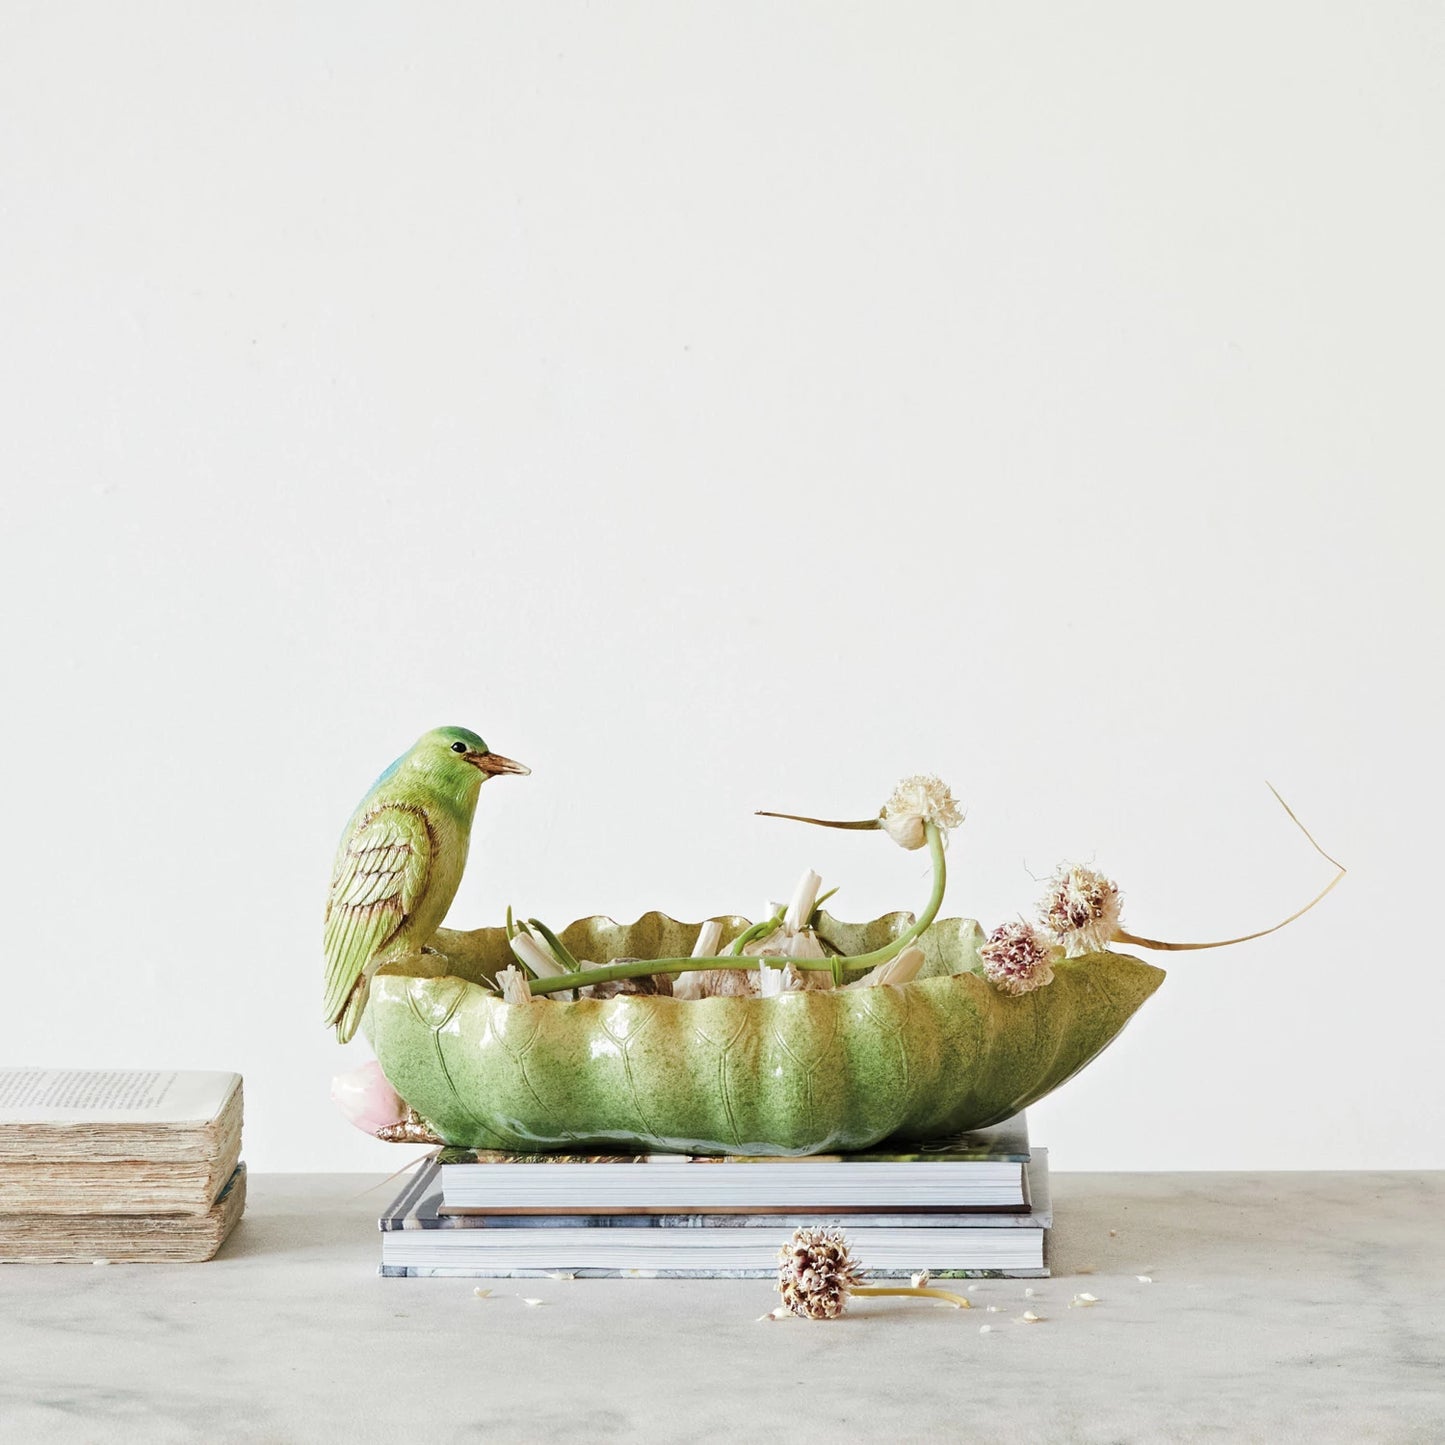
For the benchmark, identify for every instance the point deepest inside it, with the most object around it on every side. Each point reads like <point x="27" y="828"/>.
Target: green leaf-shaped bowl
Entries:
<point x="800" y="1073"/>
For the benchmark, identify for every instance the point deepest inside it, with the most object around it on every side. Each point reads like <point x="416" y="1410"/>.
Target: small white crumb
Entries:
<point x="562" y="1274"/>
<point x="990" y="1309"/>
<point x="481" y="1293"/>
<point x="526" y="1301"/>
<point x="971" y="1288"/>
<point x="985" y="1329"/>
<point x="1145" y="1278"/>
<point x="920" y="1280"/>
<point x="1083" y="1301"/>
<point x="100" y="1261"/>
<point x="776" y="1314"/>
<point x="1028" y="1294"/>
<point x="1030" y="1318"/>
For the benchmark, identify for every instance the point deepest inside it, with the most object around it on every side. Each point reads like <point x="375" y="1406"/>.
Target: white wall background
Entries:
<point x="723" y="407"/>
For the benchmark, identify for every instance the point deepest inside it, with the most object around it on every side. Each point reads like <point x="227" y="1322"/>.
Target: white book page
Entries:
<point x="111" y="1096"/>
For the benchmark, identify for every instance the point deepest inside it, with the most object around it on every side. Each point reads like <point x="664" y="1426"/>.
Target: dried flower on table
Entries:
<point x="816" y="1273"/>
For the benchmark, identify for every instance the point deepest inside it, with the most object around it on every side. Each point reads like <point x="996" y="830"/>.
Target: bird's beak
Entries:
<point x="496" y="763"/>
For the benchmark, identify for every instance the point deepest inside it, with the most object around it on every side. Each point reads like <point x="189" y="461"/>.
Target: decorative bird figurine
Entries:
<point x="399" y="863"/>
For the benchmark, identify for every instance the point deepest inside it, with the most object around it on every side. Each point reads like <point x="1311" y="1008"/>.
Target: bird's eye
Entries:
<point x="459" y="747"/>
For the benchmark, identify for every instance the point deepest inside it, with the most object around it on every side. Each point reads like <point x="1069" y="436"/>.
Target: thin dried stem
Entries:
<point x="1124" y="937"/>
<point x="913" y="1292"/>
<point x="822" y="822"/>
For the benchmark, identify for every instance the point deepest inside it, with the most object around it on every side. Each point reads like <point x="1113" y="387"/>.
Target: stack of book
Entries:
<point x="973" y="1206"/>
<point x="116" y="1166"/>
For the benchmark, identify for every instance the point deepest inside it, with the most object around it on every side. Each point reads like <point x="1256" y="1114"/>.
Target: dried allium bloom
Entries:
<point x="1082" y="910"/>
<point x="816" y="1272"/>
<point x="918" y="800"/>
<point x="1019" y="958"/>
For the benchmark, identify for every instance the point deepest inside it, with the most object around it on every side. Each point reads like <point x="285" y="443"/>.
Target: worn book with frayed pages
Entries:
<point x="94" y="1142"/>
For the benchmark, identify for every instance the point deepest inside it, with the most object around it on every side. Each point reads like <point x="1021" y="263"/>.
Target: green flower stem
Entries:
<point x="818" y="907"/>
<point x="636" y="968"/>
<point x="765" y="929"/>
<point x="930" y="911"/>
<point x="642" y="967"/>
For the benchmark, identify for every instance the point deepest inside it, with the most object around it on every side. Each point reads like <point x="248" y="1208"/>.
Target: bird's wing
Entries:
<point x="380" y="874"/>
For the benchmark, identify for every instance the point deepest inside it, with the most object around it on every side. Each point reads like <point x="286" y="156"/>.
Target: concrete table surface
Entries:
<point x="1282" y="1307"/>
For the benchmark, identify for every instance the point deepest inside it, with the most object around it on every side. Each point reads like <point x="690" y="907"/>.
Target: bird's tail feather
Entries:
<point x="349" y="1019"/>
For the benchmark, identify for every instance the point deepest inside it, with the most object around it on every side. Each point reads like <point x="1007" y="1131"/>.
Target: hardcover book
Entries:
<point x="981" y="1169"/>
<point x="419" y="1239"/>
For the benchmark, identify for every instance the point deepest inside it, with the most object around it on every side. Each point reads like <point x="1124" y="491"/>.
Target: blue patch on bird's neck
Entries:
<point x="390" y="772"/>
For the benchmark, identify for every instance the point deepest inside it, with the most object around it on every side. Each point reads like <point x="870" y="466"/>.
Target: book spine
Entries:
<point x="783" y="1223"/>
<point x="417" y="1271"/>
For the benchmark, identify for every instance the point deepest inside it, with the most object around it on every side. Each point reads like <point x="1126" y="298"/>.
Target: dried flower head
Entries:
<point x="918" y="800"/>
<point x="1019" y="958"/>
<point x="816" y="1272"/>
<point x="1082" y="910"/>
